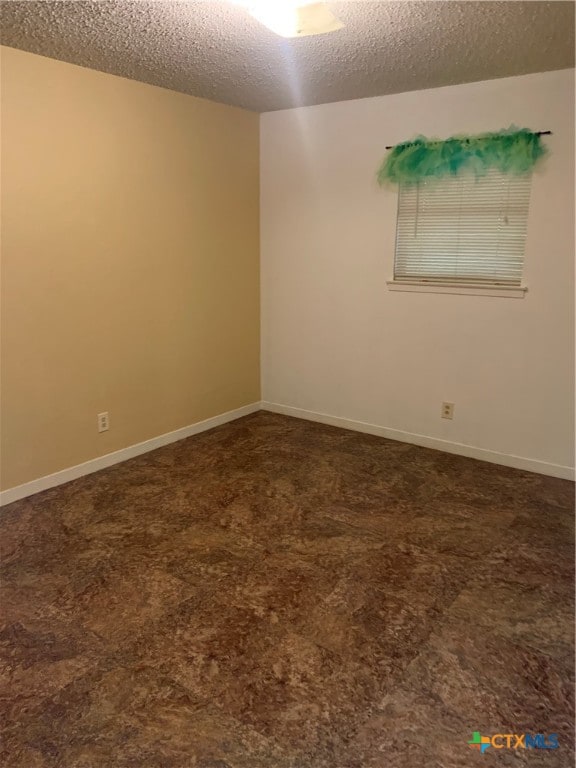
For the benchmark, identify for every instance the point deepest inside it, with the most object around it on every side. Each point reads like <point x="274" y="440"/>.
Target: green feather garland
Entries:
<point x="513" y="151"/>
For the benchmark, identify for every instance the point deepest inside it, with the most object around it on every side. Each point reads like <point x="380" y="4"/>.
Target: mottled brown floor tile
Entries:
<point x="495" y="684"/>
<point x="37" y="661"/>
<point x="263" y="673"/>
<point x="281" y="594"/>
<point x="410" y="729"/>
<point x="525" y="614"/>
<point x="529" y="563"/>
<point x="135" y="716"/>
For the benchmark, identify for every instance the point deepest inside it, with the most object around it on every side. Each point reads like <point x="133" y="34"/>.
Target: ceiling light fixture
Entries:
<point x="293" y="18"/>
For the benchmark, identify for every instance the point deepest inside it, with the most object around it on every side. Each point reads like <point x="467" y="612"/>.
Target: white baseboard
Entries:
<point x="483" y="454"/>
<point x="94" y="465"/>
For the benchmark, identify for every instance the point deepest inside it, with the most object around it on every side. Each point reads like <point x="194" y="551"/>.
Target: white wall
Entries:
<point x="336" y="341"/>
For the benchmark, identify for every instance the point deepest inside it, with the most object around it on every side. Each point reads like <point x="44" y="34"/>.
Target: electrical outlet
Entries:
<point x="447" y="410"/>
<point x="103" y="422"/>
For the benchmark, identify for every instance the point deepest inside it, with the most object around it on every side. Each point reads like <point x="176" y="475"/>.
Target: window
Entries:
<point x="463" y="231"/>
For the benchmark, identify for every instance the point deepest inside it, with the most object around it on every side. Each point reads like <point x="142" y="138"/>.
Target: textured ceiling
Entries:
<point x="215" y="50"/>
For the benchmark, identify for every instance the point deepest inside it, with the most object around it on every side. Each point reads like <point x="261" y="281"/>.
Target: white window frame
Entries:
<point x="453" y="285"/>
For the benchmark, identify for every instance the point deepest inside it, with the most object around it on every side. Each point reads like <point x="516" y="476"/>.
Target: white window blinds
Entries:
<point x="463" y="229"/>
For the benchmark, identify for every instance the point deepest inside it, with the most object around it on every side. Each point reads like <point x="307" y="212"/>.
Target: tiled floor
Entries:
<point x="281" y="594"/>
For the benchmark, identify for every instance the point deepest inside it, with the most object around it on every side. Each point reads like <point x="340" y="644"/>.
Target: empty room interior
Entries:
<point x="287" y="384"/>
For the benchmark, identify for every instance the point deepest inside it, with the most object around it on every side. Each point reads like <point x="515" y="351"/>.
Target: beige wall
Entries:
<point x="129" y="262"/>
<point x="335" y="340"/>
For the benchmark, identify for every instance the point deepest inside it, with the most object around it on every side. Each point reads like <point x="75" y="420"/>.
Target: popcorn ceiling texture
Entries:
<point x="215" y="50"/>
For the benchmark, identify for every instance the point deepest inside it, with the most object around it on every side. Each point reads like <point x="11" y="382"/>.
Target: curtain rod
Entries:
<point x="441" y="141"/>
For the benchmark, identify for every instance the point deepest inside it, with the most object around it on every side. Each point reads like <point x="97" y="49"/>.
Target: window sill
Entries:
<point x="463" y="289"/>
